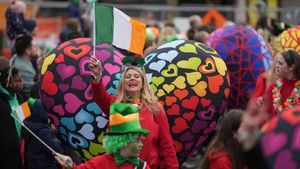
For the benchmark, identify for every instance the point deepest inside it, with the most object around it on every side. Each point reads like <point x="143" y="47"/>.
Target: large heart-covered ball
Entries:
<point x="280" y="140"/>
<point x="246" y="55"/>
<point x="192" y="82"/>
<point x="288" y="39"/>
<point x="66" y="92"/>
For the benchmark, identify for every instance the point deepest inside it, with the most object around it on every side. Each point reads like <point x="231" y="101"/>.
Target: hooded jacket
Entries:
<point x="38" y="155"/>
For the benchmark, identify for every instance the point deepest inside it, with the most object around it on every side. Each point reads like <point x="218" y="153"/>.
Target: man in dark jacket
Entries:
<point x="38" y="155"/>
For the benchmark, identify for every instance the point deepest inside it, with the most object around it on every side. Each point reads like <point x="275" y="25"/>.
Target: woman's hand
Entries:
<point x="63" y="160"/>
<point x="96" y="68"/>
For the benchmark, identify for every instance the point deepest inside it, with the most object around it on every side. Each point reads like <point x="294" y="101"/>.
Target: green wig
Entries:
<point x="114" y="143"/>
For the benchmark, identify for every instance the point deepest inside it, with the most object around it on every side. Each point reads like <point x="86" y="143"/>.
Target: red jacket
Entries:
<point x="158" y="143"/>
<point x="219" y="160"/>
<point x="285" y="92"/>
<point x="105" y="161"/>
<point x="260" y="86"/>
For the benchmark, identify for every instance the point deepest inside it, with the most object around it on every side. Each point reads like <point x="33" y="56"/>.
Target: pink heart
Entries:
<point x="73" y="103"/>
<point x="105" y="80"/>
<point x="285" y="160"/>
<point x="63" y="87"/>
<point x="78" y="83"/>
<point x="272" y="142"/>
<point x="88" y="94"/>
<point x="117" y="60"/>
<point x="83" y="66"/>
<point x="103" y="55"/>
<point x="112" y="69"/>
<point x="65" y="71"/>
<point x="59" y="109"/>
<point x="208" y="114"/>
<point x="296" y="138"/>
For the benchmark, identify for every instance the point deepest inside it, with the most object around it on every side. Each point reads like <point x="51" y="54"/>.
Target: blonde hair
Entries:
<point x="148" y="99"/>
<point x="271" y="75"/>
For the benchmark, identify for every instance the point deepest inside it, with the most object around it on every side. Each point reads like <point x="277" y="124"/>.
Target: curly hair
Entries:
<point x="113" y="143"/>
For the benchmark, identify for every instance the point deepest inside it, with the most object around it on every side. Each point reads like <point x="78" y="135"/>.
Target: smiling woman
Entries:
<point x="134" y="89"/>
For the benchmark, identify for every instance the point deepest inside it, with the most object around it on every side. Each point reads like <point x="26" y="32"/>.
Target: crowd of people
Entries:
<point x="139" y="135"/>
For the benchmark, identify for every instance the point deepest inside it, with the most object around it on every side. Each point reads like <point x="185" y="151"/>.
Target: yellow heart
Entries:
<point x="192" y="63"/>
<point x="157" y="80"/>
<point x="86" y="154"/>
<point x="96" y="148"/>
<point x="221" y="66"/>
<point x="179" y="82"/>
<point x="171" y="71"/>
<point x="193" y="77"/>
<point x="188" y="48"/>
<point x="153" y="88"/>
<point x="160" y="93"/>
<point x="199" y="88"/>
<point x="48" y="60"/>
<point x="168" y="88"/>
<point x="206" y="49"/>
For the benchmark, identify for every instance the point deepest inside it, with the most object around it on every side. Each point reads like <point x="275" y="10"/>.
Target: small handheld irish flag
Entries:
<point x="115" y="27"/>
<point x="23" y="111"/>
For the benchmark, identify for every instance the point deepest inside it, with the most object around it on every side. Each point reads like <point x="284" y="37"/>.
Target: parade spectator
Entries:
<point x="38" y="156"/>
<point x="134" y="88"/>
<point x="284" y="92"/>
<point x="16" y="25"/>
<point x="22" y="60"/>
<point x="224" y="150"/>
<point x="122" y="142"/>
<point x="72" y="25"/>
<point x="11" y="84"/>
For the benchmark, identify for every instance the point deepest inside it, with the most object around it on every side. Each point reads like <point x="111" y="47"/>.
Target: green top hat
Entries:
<point x="124" y="118"/>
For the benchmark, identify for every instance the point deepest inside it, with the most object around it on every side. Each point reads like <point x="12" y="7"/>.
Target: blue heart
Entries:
<point x="149" y="57"/>
<point x="76" y="140"/>
<point x="84" y="116"/>
<point x="111" y="90"/>
<point x="118" y="75"/>
<point x="93" y="107"/>
<point x="68" y="122"/>
<point x="116" y="83"/>
<point x="87" y="131"/>
<point x="101" y="122"/>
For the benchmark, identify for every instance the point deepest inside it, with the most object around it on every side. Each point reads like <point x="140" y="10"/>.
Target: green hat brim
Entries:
<point x="137" y="131"/>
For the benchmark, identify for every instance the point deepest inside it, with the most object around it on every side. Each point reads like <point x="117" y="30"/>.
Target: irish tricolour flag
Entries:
<point x="115" y="27"/>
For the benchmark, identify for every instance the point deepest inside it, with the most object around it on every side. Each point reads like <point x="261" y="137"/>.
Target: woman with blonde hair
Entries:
<point x="133" y="88"/>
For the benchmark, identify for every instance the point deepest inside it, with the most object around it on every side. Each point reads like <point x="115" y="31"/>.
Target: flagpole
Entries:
<point x="94" y="30"/>
<point x="19" y="121"/>
<point x="39" y="139"/>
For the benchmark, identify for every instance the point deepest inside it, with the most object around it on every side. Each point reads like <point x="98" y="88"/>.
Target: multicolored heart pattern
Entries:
<point x="246" y="55"/>
<point x="190" y="80"/>
<point x="66" y="92"/>
<point x="280" y="140"/>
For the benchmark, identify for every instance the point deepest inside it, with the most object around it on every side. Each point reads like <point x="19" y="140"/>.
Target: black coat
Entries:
<point x="38" y="155"/>
<point x="9" y="142"/>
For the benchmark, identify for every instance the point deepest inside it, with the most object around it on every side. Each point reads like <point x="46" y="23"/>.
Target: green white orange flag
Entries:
<point x="23" y="111"/>
<point x="115" y="27"/>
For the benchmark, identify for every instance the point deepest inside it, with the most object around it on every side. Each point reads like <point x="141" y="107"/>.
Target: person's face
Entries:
<point x="133" y="149"/>
<point x="281" y="68"/>
<point x="133" y="82"/>
<point x="17" y="83"/>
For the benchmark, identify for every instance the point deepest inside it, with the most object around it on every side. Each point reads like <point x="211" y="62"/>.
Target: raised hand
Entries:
<point x="96" y="68"/>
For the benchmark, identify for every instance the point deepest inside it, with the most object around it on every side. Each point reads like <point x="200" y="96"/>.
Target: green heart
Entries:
<point x="157" y="80"/>
<point x="188" y="48"/>
<point x="172" y="71"/>
<point x="192" y="63"/>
